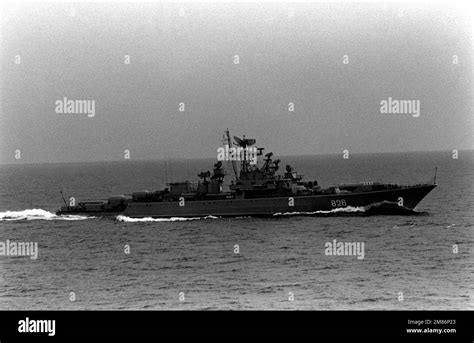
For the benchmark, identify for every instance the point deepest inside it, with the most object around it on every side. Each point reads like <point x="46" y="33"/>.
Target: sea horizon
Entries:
<point x="181" y="159"/>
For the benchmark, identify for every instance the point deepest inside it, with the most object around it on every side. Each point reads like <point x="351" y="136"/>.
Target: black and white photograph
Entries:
<point x="263" y="156"/>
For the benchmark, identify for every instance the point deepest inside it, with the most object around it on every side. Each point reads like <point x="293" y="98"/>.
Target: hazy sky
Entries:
<point x="187" y="54"/>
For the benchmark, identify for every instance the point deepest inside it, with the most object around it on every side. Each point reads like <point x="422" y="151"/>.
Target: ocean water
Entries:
<point x="281" y="263"/>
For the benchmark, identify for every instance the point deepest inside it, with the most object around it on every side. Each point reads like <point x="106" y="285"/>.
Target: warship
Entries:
<point x="254" y="191"/>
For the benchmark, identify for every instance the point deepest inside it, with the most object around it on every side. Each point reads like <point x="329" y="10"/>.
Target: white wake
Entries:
<point x="126" y="219"/>
<point x="348" y="209"/>
<point x="37" y="214"/>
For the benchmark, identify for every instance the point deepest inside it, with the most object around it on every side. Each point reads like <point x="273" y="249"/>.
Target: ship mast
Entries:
<point x="234" y="165"/>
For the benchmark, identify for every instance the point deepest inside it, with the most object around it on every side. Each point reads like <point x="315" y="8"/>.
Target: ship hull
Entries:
<point x="407" y="197"/>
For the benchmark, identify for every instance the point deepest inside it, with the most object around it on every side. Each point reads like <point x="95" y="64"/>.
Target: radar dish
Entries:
<point x="244" y="142"/>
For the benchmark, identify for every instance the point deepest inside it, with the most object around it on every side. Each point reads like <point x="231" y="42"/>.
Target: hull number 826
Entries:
<point x="338" y="203"/>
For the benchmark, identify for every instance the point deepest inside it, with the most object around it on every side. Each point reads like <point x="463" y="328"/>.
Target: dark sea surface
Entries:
<point x="411" y="254"/>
